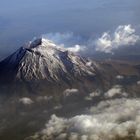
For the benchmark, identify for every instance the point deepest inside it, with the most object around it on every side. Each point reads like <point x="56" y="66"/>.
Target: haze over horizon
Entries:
<point x="20" y="21"/>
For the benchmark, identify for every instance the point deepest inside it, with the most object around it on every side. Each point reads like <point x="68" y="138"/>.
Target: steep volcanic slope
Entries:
<point x="42" y="59"/>
<point x="41" y="63"/>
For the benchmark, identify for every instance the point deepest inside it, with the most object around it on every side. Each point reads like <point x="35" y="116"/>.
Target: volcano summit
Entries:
<point x="42" y="61"/>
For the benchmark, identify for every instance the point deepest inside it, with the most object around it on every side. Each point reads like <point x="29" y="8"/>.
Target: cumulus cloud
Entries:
<point x="115" y="91"/>
<point x="69" y="92"/>
<point x="25" y="101"/>
<point x="124" y="35"/>
<point x="92" y="95"/>
<point x="102" y="123"/>
<point x="120" y="77"/>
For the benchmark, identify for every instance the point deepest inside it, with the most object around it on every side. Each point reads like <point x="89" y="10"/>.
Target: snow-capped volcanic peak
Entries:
<point x="43" y="59"/>
<point x="42" y="46"/>
<point x="41" y="42"/>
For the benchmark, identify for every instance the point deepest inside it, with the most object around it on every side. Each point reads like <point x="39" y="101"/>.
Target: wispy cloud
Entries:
<point x="66" y="40"/>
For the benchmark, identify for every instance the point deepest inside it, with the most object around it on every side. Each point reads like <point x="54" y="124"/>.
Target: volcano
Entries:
<point x="42" y="63"/>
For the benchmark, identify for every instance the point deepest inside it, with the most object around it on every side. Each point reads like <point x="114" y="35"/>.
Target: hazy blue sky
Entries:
<point x="21" y="20"/>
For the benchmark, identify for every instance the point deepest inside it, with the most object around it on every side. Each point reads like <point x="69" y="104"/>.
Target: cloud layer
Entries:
<point x="102" y="123"/>
<point x="124" y="35"/>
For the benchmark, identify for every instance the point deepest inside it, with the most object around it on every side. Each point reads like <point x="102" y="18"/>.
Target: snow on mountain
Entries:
<point x="44" y="60"/>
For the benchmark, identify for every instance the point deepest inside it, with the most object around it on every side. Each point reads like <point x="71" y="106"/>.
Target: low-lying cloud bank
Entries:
<point x="109" y="120"/>
<point x="123" y="36"/>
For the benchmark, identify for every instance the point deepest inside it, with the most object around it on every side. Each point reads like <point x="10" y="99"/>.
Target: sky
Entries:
<point x="20" y="21"/>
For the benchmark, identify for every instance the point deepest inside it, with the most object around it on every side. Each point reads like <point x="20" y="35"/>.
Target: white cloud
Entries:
<point x="43" y="98"/>
<point x="25" y="101"/>
<point x="115" y="91"/>
<point x="76" y="48"/>
<point x="124" y="35"/>
<point x="120" y="77"/>
<point x="138" y="82"/>
<point x="93" y="95"/>
<point x="58" y="107"/>
<point x="60" y="38"/>
<point x="69" y="92"/>
<point x="109" y="120"/>
<point x="66" y="40"/>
